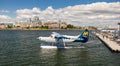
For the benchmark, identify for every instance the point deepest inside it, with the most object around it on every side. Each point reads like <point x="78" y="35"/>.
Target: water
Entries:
<point x="22" y="48"/>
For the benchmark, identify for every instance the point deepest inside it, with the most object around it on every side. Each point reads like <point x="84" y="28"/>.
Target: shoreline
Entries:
<point x="46" y="29"/>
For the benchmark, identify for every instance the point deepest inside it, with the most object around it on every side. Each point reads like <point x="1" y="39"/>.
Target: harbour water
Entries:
<point x="22" y="48"/>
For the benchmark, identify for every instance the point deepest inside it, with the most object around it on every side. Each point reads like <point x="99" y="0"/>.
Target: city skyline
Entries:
<point x="76" y="12"/>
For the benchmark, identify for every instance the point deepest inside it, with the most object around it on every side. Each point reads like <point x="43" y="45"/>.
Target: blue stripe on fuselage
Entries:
<point x="62" y="37"/>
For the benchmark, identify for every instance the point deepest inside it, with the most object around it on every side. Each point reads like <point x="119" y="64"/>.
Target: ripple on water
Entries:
<point x="21" y="48"/>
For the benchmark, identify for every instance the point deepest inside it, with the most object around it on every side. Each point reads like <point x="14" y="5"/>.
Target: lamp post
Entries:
<point x="119" y="29"/>
<point x="59" y="24"/>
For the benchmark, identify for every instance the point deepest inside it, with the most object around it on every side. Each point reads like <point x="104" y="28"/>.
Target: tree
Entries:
<point x="92" y="27"/>
<point x="44" y="27"/>
<point x="70" y="26"/>
<point x="9" y="26"/>
<point x="28" y="27"/>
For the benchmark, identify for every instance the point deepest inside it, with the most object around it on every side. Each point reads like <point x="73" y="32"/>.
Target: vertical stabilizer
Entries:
<point x="83" y="37"/>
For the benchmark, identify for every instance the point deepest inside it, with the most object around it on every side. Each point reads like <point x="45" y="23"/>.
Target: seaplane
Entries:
<point x="57" y="40"/>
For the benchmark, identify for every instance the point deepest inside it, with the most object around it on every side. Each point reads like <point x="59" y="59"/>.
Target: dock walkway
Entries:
<point x="112" y="45"/>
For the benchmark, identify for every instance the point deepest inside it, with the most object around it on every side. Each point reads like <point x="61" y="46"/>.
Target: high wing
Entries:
<point x="55" y="33"/>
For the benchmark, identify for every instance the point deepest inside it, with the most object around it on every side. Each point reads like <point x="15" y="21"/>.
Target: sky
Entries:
<point x="77" y="12"/>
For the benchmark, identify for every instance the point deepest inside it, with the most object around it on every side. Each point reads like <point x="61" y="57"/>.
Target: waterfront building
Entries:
<point x="55" y="25"/>
<point x="3" y="25"/>
<point x="27" y="24"/>
<point x="6" y="25"/>
<point x="31" y="22"/>
<point x="36" y="22"/>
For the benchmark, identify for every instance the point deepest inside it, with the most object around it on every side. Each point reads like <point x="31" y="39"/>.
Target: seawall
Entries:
<point x="112" y="45"/>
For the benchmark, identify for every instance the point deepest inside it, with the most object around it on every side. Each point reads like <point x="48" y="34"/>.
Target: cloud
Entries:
<point x="5" y="18"/>
<point x="4" y="11"/>
<point x="96" y="14"/>
<point x="27" y="13"/>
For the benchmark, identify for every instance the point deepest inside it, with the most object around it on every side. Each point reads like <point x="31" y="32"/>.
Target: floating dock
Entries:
<point x="112" y="45"/>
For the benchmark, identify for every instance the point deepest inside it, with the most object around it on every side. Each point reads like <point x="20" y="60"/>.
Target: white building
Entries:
<point x="55" y="25"/>
<point x="27" y="24"/>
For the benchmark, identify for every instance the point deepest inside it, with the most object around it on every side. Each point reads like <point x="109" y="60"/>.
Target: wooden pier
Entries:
<point x="112" y="45"/>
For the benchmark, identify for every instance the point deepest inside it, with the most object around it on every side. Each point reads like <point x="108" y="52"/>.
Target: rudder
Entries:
<point x="84" y="36"/>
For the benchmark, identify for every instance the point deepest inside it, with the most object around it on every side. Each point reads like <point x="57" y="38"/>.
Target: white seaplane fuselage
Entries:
<point x="52" y="39"/>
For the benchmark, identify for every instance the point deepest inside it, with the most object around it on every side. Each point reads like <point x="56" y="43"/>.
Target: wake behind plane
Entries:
<point x="58" y="40"/>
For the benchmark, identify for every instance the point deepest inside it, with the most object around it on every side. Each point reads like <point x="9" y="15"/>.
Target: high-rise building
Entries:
<point x="36" y="19"/>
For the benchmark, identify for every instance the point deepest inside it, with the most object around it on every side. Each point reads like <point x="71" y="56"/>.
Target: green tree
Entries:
<point x="70" y="26"/>
<point x="44" y="27"/>
<point x="9" y="26"/>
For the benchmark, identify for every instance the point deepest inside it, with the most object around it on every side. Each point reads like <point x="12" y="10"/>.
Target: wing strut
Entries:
<point x="60" y="43"/>
<point x="64" y="44"/>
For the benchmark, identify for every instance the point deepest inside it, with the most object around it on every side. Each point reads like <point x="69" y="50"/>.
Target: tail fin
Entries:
<point x="84" y="36"/>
